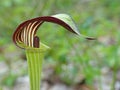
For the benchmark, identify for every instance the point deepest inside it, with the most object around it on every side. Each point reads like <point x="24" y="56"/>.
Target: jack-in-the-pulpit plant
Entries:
<point x="25" y="37"/>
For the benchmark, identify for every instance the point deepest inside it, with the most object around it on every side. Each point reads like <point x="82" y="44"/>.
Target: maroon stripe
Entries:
<point x="40" y="20"/>
<point x="54" y="20"/>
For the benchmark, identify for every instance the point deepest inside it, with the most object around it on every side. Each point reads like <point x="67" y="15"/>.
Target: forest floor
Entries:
<point x="52" y="82"/>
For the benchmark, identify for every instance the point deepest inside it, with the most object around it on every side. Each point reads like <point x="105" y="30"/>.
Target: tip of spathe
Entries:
<point x="86" y="37"/>
<point x="90" y="38"/>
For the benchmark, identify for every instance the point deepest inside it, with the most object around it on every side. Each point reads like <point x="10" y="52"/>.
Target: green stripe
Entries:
<point x="34" y="60"/>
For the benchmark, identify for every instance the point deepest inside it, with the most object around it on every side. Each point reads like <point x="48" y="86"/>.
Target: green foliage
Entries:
<point x="9" y="80"/>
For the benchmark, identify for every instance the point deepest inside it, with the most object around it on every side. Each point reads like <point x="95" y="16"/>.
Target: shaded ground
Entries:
<point x="51" y="82"/>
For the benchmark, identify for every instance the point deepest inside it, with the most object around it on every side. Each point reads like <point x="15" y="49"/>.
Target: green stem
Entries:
<point x="114" y="79"/>
<point x="115" y="68"/>
<point x="35" y="58"/>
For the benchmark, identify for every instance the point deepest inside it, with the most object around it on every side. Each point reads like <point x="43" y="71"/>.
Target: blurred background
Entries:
<point x="72" y="63"/>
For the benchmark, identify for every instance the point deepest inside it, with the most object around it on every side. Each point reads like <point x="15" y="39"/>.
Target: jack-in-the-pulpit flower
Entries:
<point x="25" y="37"/>
<point x="25" y="32"/>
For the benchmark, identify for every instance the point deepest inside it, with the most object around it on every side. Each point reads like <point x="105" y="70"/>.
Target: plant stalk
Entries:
<point x="35" y="58"/>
